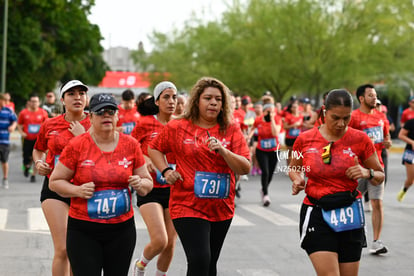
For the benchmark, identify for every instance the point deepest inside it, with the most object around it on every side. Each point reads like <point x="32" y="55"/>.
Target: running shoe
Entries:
<point x="401" y="195"/>
<point x="244" y="177"/>
<point x="25" y="171"/>
<point x="5" y="183"/>
<point x="266" y="200"/>
<point x="139" y="269"/>
<point x="33" y="179"/>
<point x="378" y="247"/>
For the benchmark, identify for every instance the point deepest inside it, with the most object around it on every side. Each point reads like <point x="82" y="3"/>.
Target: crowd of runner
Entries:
<point x="183" y="157"/>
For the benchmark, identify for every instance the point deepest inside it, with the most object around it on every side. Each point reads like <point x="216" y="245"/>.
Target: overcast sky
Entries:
<point x="127" y="22"/>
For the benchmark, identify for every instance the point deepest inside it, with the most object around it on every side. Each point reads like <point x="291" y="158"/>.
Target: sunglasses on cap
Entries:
<point x="102" y="111"/>
<point x="326" y="154"/>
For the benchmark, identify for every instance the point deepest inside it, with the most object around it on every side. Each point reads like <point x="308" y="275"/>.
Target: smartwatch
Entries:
<point x="371" y="174"/>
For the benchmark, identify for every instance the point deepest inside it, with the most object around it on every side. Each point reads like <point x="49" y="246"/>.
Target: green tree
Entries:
<point x="292" y="46"/>
<point x="49" y="42"/>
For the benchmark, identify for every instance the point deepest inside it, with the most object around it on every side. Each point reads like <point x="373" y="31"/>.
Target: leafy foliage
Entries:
<point x="48" y="42"/>
<point x="293" y="47"/>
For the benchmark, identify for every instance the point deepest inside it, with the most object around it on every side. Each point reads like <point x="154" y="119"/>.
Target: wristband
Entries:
<point x="39" y="160"/>
<point x="165" y="170"/>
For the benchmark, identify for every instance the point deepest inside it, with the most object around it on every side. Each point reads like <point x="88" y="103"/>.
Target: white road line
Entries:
<point x="256" y="272"/>
<point x="36" y="220"/>
<point x="269" y="215"/>
<point x="3" y="218"/>
<point x="239" y="221"/>
<point x="139" y="222"/>
<point x="292" y="207"/>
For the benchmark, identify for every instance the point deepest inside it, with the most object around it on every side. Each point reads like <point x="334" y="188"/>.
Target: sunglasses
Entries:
<point x="326" y="154"/>
<point x="102" y="111"/>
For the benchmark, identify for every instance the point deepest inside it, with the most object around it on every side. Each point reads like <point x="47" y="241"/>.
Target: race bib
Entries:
<point x="108" y="204"/>
<point x="268" y="143"/>
<point x="408" y="156"/>
<point x="375" y="133"/>
<point x="345" y="218"/>
<point x="211" y="185"/>
<point x="160" y="179"/>
<point x="128" y="127"/>
<point x="33" y="128"/>
<point x="294" y="132"/>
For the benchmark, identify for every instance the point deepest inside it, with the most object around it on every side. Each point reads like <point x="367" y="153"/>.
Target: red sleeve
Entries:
<point x="70" y="155"/>
<point x="161" y="142"/>
<point x="404" y="116"/>
<point x="41" y="141"/>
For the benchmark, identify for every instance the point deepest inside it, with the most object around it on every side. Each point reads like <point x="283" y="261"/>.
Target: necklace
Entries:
<point x="100" y="148"/>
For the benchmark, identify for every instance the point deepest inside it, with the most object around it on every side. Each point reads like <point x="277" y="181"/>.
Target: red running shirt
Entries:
<point x="290" y="119"/>
<point x="376" y="125"/>
<point x="407" y="114"/>
<point x="266" y="141"/>
<point x="31" y="121"/>
<point x="147" y="128"/>
<point x="127" y="118"/>
<point x="189" y="144"/>
<point x="84" y="157"/>
<point x="54" y="135"/>
<point x="324" y="179"/>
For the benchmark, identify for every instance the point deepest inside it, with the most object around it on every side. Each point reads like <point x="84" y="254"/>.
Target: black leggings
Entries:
<point x="202" y="241"/>
<point x="267" y="162"/>
<point x="28" y="146"/>
<point x="93" y="247"/>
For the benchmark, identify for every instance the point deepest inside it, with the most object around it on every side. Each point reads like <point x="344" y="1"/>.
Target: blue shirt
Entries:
<point x="7" y="117"/>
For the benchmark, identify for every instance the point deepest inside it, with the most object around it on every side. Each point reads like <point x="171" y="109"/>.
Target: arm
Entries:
<point x="357" y="171"/>
<point x="20" y="130"/>
<point x="160" y="162"/>
<point x="403" y="135"/>
<point x="39" y="158"/>
<point x="12" y="127"/>
<point x="60" y="183"/>
<point x="297" y="177"/>
<point x="237" y="163"/>
<point x="141" y="180"/>
<point x="275" y="128"/>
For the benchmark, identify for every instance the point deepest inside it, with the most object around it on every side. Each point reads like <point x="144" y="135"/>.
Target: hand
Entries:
<point x="357" y="171"/>
<point x="387" y="143"/>
<point x="76" y="128"/>
<point x="43" y="168"/>
<point x="171" y="176"/>
<point x="298" y="185"/>
<point x="86" y="190"/>
<point x="214" y="144"/>
<point x="136" y="182"/>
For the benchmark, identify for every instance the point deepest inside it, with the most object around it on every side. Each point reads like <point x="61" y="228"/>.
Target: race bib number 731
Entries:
<point x="211" y="185"/>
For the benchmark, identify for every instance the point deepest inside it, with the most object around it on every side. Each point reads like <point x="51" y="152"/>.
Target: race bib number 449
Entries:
<point x="108" y="204"/>
<point x="211" y="185"/>
<point x="345" y="218"/>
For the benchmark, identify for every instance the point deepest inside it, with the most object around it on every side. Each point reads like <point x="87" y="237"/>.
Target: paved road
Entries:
<point x="262" y="241"/>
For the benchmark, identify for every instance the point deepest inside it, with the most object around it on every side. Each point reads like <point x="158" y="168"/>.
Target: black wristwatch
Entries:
<point x="371" y="174"/>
